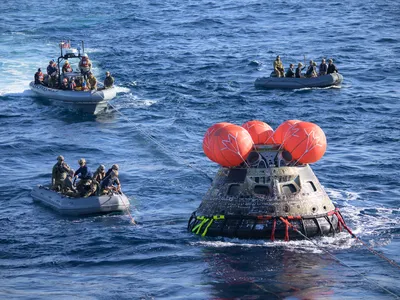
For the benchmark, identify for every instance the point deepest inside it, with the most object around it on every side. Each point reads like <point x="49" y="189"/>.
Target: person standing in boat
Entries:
<point x="323" y="68"/>
<point x="52" y="72"/>
<point x="84" y="173"/>
<point x="331" y="67"/>
<point x="290" y="71"/>
<point x="92" y="82"/>
<point x="66" y="67"/>
<point x="298" y="70"/>
<point x="39" y="77"/>
<point x="85" y="65"/>
<point x="59" y="173"/>
<point x="65" y="84"/>
<point x="278" y="67"/>
<point x="108" y="81"/>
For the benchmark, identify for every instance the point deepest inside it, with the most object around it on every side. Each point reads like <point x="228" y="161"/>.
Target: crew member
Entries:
<point x="92" y="81"/>
<point x="323" y="68"/>
<point x="52" y="72"/>
<point x="59" y="173"/>
<point x="66" y="67"/>
<point x="108" y="81"/>
<point x="114" y="167"/>
<point x="69" y="188"/>
<point x="111" y="183"/>
<point x="290" y="71"/>
<point x="85" y="65"/>
<point x="331" y="67"/>
<point x="278" y="67"/>
<point x="72" y="84"/>
<point x="39" y="77"/>
<point x="83" y="171"/>
<point x="298" y="70"/>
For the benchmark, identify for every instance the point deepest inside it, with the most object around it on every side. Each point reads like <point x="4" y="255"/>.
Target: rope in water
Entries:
<point x="339" y="260"/>
<point x="164" y="149"/>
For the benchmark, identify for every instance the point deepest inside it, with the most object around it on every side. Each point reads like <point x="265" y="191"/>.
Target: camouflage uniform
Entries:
<point x="108" y="81"/>
<point x="98" y="176"/>
<point x="89" y="189"/>
<point x="59" y="173"/>
<point x="92" y="82"/>
<point x="69" y="188"/>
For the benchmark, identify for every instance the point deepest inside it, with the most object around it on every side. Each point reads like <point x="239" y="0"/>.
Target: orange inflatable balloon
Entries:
<point x="208" y="137"/>
<point x="231" y="145"/>
<point x="284" y="131"/>
<point x="307" y="144"/>
<point x="261" y="133"/>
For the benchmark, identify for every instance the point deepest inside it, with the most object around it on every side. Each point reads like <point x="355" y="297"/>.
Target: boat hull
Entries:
<point x="80" y="206"/>
<point x="92" y="102"/>
<point x="334" y="79"/>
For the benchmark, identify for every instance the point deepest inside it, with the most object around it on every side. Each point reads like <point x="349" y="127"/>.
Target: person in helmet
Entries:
<point x="311" y="70"/>
<point x="331" y="67"/>
<point x="108" y="81"/>
<point x="84" y="172"/>
<point x="290" y="71"/>
<point x="278" y="67"/>
<point x="85" y="65"/>
<point x="52" y="71"/>
<point x="323" y="68"/>
<point x="66" y="67"/>
<point x="114" y="167"/>
<point x="92" y="81"/>
<point x="99" y="175"/>
<point x="59" y="173"/>
<point x="69" y="187"/>
<point x="39" y="77"/>
<point x="298" y="70"/>
<point x="111" y="183"/>
<point x="89" y="188"/>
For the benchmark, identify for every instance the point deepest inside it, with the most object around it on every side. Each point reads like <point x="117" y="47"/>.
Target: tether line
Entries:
<point x="163" y="149"/>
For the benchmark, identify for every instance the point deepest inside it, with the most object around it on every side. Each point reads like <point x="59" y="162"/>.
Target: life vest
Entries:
<point x="41" y="76"/>
<point x="85" y="64"/>
<point x="67" y="68"/>
<point x="72" y="85"/>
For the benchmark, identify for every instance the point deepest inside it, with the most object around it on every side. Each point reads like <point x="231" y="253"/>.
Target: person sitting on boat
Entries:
<point x="83" y="171"/>
<point x="114" y="167"/>
<point x="298" y="70"/>
<point x="85" y="65"/>
<point x="66" y="67"/>
<point x="59" y="173"/>
<point x="92" y="81"/>
<point x="278" y="67"/>
<point x="72" y="84"/>
<point x="88" y="189"/>
<point x="323" y="68"/>
<point x="331" y="67"/>
<point x="99" y="175"/>
<point x="69" y="187"/>
<point x="39" y="77"/>
<point x="52" y="71"/>
<point x="111" y="183"/>
<point x="311" y="70"/>
<point x="65" y="84"/>
<point x="108" y="81"/>
<point x="84" y="86"/>
<point x="290" y="71"/>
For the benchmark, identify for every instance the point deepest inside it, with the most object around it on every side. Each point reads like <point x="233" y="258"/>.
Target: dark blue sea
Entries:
<point x="180" y="67"/>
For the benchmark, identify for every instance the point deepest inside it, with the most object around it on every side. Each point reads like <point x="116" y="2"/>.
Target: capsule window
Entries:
<point x="288" y="189"/>
<point x="261" y="190"/>
<point x="234" y="190"/>
<point x="312" y="186"/>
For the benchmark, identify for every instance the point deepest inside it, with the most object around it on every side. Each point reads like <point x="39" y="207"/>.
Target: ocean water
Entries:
<point x="181" y="66"/>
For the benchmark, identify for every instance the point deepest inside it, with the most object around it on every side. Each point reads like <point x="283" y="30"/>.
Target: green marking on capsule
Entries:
<point x="205" y="230"/>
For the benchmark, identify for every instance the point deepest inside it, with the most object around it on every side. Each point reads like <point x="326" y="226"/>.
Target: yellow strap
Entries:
<point x="219" y="217"/>
<point x="205" y="230"/>
<point x="198" y="226"/>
